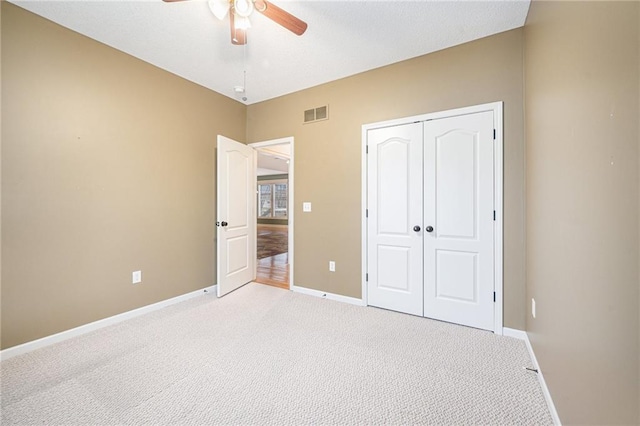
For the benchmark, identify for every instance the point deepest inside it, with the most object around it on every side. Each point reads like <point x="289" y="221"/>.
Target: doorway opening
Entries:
<point x="274" y="191"/>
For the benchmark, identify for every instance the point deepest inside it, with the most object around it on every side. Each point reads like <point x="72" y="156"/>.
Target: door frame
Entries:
<point x="287" y="140"/>
<point x="498" y="179"/>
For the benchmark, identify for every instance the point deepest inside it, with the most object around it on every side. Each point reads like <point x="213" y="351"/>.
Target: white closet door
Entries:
<point x="394" y="249"/>
<point x="458" y="205"/>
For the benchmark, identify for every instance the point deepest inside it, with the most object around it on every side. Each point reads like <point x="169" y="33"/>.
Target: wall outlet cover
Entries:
<point x="533" y="307"/>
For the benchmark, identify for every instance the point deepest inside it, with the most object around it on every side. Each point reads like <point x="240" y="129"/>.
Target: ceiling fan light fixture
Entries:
<point x="219" y="8"/>
<point x="243" y="8"/>
<point x="242" y="22"/>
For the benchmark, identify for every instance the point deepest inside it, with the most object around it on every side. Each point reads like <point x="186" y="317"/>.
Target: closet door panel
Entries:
<point x="394" y="251"/>
<point x="458" y="205"/>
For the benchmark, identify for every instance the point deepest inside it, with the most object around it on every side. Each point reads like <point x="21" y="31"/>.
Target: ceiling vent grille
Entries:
<point x="316" y="114"/>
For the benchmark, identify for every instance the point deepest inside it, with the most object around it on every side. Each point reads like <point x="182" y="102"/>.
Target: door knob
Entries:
<point x="429" y="228"/>
<point x="224" y="224"/>
<point x="416" y="228"/>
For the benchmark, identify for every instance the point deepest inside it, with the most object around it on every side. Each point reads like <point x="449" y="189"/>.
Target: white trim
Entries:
<point x="515" y="333"/>
<point x="497" y="108"/>
<point x="543" y="385"/>
<point x="279" y="141"/>
<point x="96" y="325"/>
<point x="491" y="106"/>
<point x="522" y="335"/>
<point x="498" y="226"/>
<point x="290" y="213"/>
<point x="364" y="230"/>
<point x="325" y="295"/>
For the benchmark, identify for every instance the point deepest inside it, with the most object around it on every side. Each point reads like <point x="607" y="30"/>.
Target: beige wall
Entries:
<point x="107" y="168"/>
<point x="581" y="103"/>
<point x="328" y="153"/>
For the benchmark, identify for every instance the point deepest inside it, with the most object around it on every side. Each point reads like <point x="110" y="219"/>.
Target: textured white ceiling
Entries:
<point x="343" y="38"/>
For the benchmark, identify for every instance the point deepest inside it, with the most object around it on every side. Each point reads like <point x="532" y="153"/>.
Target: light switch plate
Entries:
<point x="136" y="277"/>
<point x="306" y="206"/>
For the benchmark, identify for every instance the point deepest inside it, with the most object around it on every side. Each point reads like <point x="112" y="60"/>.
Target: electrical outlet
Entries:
<point x="533" y="307"/>
<point x="332" y="266"/>
<point x="306" y="207"/>
<point x="136" y="277"/>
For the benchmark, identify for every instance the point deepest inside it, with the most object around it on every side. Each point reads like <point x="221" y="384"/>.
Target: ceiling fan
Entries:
<point x="239" y="11"/>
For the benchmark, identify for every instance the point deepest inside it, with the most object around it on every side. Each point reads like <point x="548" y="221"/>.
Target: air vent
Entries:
<point x="316" y="114"/>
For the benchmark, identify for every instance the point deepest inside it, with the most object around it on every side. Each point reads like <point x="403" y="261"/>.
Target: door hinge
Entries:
<point x="366" y="276"/>
<point x="366" y="149"/>
<point x="494" y="134"/>
<point x="494" y="215"/>
<point x="366" y="213"/>
<point x="494" y="296"/>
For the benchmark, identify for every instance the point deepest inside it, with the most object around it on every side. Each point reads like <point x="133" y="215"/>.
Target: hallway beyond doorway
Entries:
<point x="273" y="257"/>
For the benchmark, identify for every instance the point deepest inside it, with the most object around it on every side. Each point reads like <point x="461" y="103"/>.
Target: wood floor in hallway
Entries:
<point x="274" y="269"/>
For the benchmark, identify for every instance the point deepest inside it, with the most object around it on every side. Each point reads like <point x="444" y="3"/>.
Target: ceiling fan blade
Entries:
<point x="281" y="17"/>
<point x="238" y="35"/>
<point x="172" y="1"/>
<point x="219" y="8"/>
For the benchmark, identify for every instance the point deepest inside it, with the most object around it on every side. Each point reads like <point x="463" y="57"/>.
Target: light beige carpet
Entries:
<point x="263" y="355"/>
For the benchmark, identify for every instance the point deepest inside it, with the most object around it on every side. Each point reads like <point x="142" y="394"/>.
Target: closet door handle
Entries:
<point x="429" y="228"/>
<point x="224" y="224"/>
<point x="416" y="228"/>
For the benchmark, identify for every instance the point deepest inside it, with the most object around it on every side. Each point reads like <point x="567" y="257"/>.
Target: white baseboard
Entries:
<point x="522" y="335"/>
<point x="325" y="295"/>
<point x="515" y="333"/>
<point x="96" y="325"/>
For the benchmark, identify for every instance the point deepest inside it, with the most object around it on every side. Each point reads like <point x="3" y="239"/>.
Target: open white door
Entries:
<point x="236" y="215"/>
